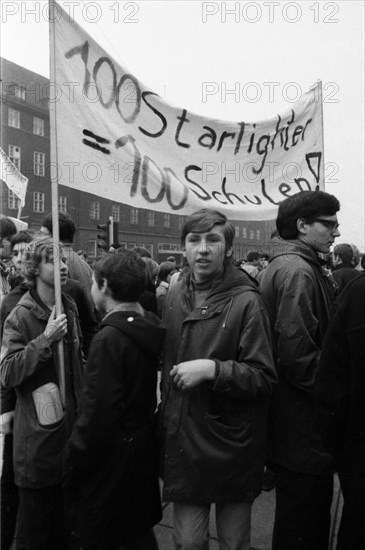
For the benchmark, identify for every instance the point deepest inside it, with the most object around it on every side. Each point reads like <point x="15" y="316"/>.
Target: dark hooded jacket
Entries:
<point x="215" y="434"/>
<point x="298" y="295"/>
<point x="343" y="274"/>
<point x="111" y="459"/>
<point x="340" y="391"/>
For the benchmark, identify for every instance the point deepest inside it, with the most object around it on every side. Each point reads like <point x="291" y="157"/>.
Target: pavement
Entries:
<point x="262" y="520"/>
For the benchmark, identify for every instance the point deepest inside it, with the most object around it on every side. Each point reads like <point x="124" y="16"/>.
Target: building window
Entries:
<point x="237" y="231"/>
<point x="244" y="232"/>
<point x="62" y="205"/>
<point x="95" y="210"/>
<point x="39" y="162"/>
<point x="14" y="118"/>
<point x="134" y="216"/>
<point x="166" y="220"/>
<point x="258" y="234"/>
<point x="151" y="219"/>
<point x="92" y="249"/>
<point x="20" y="92"/>
<point x="180" y="222"/>
<point x="14" y="155"/>
<point x="38" y="202"/>
<point x="13" y="201"/>
<point x="116" y="212"/>
<point x="252" y="234"/>
<point x="38" y="126"/>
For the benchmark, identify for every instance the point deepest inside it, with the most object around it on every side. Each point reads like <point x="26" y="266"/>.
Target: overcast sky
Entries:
<point x="194" y="53"/>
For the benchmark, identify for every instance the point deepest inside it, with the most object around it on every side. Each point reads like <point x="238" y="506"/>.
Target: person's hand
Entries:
<point x="6" y="423"/>
<point x="188" y="374"/>
<point x="56" y="327"/>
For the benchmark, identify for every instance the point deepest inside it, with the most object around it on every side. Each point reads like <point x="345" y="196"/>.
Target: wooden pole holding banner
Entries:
<point x="337" y="497"/>
<point x="322" y="127"/>
<point x="54" y="181"/>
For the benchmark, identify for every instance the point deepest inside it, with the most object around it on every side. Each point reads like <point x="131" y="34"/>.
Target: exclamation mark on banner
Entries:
<point x="314" y="163"/>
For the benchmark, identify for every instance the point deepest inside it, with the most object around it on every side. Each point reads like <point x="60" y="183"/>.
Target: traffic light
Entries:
<point x="114" y="236"/>
<point x="106" y="238"/>
<point x="110" y="238"/>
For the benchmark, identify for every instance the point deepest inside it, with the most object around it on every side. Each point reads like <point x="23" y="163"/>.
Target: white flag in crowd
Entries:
<point x="12" y="177"/>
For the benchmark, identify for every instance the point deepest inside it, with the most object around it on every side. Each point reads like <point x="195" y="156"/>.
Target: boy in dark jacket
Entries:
<point x="298" y="294"/>
<point x="340" y="388"/>
<point x="217" y="378"/>
<point x="19" y="245"/>
<point x="344" y="270"/>
<point x="42" y="423"/>
<point x="111" y="459"/>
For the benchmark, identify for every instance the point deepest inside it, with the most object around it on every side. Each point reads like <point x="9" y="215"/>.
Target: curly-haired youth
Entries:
<point x="41" y="248"/>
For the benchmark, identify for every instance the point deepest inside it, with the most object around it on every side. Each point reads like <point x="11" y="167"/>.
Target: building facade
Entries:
<point x="25" y="138"/>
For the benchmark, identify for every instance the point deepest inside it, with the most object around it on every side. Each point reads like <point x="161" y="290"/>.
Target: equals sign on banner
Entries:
<point x="96" y="143"/>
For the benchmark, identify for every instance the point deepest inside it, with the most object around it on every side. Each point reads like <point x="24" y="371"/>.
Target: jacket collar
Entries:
<point x="298" y="248"/>
<point x="232" y="282"/>
<point x="343" y="265"/>
<point x="38" y="311"/>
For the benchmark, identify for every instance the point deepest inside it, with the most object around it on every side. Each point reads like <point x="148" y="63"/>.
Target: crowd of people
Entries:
<point x="261" y="366"/>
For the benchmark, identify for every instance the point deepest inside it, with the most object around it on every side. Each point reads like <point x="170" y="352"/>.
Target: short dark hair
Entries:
<point x="252" y="256"/>
<point x="307" y="205"/>
<point x="66" y="226"/>
<point x="142" y="251"/>
<point x="125" y="274"/>
<point x="152" y="268"/>
<point x="7" y="228"/>
<point x="21" y="237"/>
<point x="356" y="255"/>
<point x="264" y="256"/>
<point x="165" y="269"/>
<point x="345" y="252"/>
<point x="204" y="220"/>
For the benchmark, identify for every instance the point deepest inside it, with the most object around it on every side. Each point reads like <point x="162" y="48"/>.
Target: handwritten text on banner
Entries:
<point x="119" y="140"/>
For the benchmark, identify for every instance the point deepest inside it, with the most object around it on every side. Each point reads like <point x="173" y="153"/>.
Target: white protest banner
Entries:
<point x="12" y="177"/>
<point x="121" y="141"/>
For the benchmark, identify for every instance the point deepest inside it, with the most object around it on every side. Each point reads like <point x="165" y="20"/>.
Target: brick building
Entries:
<point x="25" y="138"/>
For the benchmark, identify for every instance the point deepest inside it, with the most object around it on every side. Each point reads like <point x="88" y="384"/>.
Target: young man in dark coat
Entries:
<point x="111" y="459"/>
<point x="298" y="295"/>
<point x="19" y="245"/>
<point x="217" y="378"/>
<point x="42" y="422"/>
<point x="340" y="391"/>
<point x="344" y="270"/>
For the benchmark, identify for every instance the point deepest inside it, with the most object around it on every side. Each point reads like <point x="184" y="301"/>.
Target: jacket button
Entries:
<point x="204" y="311"/>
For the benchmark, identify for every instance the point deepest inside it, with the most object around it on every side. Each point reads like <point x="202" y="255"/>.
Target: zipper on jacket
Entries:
<point x="228" y="312"/>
